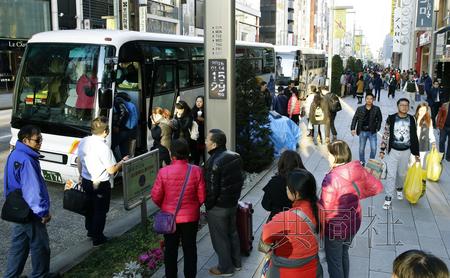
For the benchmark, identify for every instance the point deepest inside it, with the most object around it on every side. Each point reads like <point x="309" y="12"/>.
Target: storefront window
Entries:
<point x="24" y="18"/>
<point x="11" y="52"/>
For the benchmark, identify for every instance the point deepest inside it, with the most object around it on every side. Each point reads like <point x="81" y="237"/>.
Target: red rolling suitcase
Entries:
<point x="244" y="222"/>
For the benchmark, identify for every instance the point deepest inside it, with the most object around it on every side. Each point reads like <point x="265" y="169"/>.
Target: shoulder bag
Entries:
<point x="194" y="131"/>
<point x="165" y="222"/>
<point x="15" y="209"/>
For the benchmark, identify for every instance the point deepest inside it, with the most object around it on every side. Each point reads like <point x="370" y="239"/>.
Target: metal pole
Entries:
<point x="330" y="42"/>
<point x="144" y="214"/>
<point x="79" y="11"/>
<point x="412" y="50"/>
<point x="55" y="18"/>
<point x="433" y="46"/>
<point x="116" y="14"/>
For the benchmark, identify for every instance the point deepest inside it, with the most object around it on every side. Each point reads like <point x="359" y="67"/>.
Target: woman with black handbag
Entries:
<point x="96" y="164"/>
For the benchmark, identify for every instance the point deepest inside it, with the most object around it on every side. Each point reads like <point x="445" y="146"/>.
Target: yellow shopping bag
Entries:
<point x="434" y="166"/>
<point x="415" y="183"/>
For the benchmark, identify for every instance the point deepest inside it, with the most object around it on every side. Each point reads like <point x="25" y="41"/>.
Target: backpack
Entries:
<point x="318" y="114"/>
<point x="411" y="86"/>
<point x="194" y="131"/>
<point x="132" y="115"/>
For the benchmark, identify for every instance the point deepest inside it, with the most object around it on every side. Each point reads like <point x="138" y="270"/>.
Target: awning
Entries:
<point x="442" y="30"/>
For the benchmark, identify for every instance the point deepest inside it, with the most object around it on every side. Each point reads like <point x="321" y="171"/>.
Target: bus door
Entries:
<point x="129" y="81"/>
<point x="164" y="85"/>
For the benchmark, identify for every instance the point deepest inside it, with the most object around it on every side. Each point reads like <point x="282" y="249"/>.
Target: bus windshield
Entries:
<point x="57" y="86"/>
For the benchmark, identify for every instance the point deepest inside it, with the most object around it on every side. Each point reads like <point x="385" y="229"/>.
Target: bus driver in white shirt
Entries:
<point x="96" y="163"/>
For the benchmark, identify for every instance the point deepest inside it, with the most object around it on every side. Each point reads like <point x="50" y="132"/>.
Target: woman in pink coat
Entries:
<point x="165" y="194"/>
<point x="294" y="106"/>
<point x="340" y="216"/>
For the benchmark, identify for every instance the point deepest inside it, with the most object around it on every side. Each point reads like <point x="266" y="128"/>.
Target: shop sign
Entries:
<point x="425" y="38"/>
<point x="13" y="44"/>
<point x="440" y="44"/>
<point x="424" y="14"/>
<point x="397" y="31"/>
<point x="125" y="15"/>
<point x="143" y="18"/>
<point x="405" y="21"/>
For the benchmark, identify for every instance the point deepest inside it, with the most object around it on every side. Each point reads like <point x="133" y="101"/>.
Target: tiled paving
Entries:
<point x="425" y="225"/>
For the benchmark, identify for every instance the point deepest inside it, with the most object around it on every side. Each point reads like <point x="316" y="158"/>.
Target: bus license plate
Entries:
<point x="52" y="176"/>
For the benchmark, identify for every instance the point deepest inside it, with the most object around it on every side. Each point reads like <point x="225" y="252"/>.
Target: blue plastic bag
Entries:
<point x="285" y="134"/>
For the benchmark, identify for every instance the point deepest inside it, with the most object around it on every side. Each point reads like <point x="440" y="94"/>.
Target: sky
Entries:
<point x="373" y="17"/>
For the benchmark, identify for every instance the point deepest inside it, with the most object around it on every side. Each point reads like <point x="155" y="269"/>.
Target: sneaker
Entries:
<point x="237" y="268"/>
<point x="216" y="272"/>
<point x="387" y="202"/>
<point x="399" y="195"/>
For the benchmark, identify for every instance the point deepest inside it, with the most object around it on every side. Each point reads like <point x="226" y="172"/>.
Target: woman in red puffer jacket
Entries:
<point x="294" y="107"/>
<point x="342" y="188"/>
<point x="165" y="194"/>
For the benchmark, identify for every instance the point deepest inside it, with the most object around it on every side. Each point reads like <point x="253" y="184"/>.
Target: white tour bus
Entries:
<point x="299" y="64"/>
<point x="67" y="78"/>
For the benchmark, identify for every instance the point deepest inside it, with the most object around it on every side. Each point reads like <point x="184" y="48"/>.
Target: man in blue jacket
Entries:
<point x="22" y="171"/>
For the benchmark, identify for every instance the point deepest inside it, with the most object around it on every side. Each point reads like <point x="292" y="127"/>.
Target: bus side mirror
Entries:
<point x="105" y="98"/>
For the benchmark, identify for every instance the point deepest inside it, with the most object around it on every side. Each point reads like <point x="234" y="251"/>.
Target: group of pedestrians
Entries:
<point x="319" y="108"/>
<point x="405" y="138"/>
<point x="218" y="186"/>
<point x="291" y="196"/>
<point x="187" y="123"/>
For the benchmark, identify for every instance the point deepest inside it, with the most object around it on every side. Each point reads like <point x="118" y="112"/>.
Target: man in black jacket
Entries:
<point x="224" y="181"/>
<point x="399" y="141"/>
<point x="266" y="94"/>
<point x="367" y="121"/>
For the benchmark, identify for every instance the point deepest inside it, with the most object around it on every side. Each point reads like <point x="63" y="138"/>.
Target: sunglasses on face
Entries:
<point x="38" y="140"/>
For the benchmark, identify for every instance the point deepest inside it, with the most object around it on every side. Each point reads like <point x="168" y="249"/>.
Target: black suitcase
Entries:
<point x="244" y="222"/>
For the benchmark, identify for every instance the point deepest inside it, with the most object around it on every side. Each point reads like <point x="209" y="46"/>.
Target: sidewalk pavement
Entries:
<point x="424" y="226"/>
<point x="6" y="101"/>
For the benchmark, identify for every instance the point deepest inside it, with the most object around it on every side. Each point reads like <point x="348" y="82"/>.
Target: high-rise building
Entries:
<point x="247" y="15"/>
<point x="277" y="21"/>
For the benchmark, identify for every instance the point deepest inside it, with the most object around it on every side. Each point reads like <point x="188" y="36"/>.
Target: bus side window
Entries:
<point x="268" y="60"/>
<point x="183" y="75"/>
<point x="164" y="80"/>
<point x="198" y="73"/>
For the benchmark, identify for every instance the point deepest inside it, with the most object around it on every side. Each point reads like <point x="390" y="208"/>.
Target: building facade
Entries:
<point x="441" y="53"/>
<point x="277" y="21"/>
